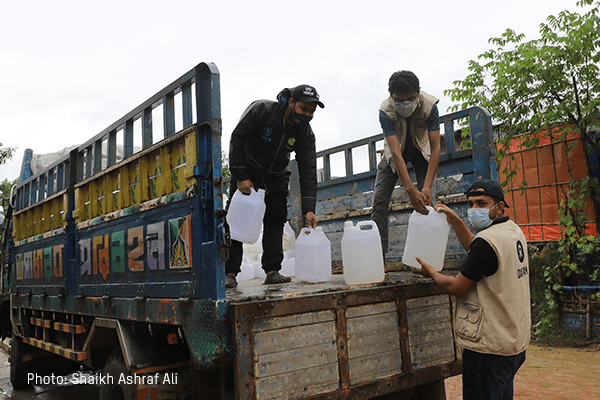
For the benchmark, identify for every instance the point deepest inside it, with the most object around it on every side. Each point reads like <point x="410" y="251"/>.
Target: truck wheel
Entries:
<point x="18" y="372"/>
<point x="431" y="391"/>
<point x="117" y="387"/>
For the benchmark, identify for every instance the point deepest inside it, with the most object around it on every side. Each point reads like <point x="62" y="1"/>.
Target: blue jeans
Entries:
<point x="489" y="376"/>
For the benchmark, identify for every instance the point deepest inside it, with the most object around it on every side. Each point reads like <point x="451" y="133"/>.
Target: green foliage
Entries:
<point x="5" y="189"/>
<point x="544" y="275"/>
<point x="543" y="300"/>
<point x="225" y="166"/>
<point x="575" y="247"/>
<point x="531" y="86"/>
<point x="225" y="171"/>
<point x="6" y="153"/>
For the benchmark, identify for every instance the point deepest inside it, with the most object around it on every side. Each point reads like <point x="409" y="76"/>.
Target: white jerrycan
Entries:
<point x="313" y="256"/>
<point x="245" y="215"/>
<point x="427" y="238"/>
<point x="362" y="256"/>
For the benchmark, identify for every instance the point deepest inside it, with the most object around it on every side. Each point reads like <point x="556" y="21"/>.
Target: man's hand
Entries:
<point x="418" y="200"/>
<point x="245" y="186"/>
<point x="426" y="270"/>
<point x="311" y="220"/>
<point x="427" y="193"/>
<point x="450" y="215"/>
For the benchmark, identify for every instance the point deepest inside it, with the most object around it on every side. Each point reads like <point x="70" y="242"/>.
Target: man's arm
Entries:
<point x="455" y="285"/>
<point x="463" y="233"/>
<point x="434" y="162"/>
<point x="306" y="157"/>
<point x="237" y="144"/>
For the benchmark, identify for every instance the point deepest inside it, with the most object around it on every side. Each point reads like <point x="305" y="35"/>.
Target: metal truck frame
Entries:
<point x="116" y="264"/>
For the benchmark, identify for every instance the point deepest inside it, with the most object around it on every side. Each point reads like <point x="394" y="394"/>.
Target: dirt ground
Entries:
<point x="551" y="373"/>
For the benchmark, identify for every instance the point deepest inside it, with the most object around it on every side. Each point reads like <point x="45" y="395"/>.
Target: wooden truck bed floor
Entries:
<point x="254" y="289"/>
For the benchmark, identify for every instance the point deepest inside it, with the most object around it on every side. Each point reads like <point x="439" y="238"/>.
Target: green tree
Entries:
<point x="530" y="86"/>
<point x="6" y="154"/>
<point x="551" y="85"/>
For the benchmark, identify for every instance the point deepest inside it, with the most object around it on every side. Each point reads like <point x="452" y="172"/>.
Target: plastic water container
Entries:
<point x="246" y="272"/>
<point x="313" y="256"/>
<point x="427" y="238"/>
<point x="288" y="265"/>
<point x="245" y="215"/>
<point x="362" y="256"/>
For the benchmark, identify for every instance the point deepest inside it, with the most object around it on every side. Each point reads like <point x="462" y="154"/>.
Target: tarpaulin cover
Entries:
<point x="547" y="170"/>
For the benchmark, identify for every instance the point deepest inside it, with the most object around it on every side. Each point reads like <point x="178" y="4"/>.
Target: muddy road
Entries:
<point x="548" y="374"/>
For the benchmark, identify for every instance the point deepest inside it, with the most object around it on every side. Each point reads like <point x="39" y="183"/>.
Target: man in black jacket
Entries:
<point x="259" y="153"/>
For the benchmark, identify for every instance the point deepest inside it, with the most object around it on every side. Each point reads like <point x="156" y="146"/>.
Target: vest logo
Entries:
<point x="290" y="143"/>
<point x="520" y="251"/>
<point x="522" y="272"/>
<point x="266" y="133"/>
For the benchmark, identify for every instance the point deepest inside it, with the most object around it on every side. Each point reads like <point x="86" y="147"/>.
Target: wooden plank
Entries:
<point x="370" y="309"/>
<point x="295" y="337"/>
<point x="375" y="366"/>
<point x="424" y="334"/>
<point x="273" y="323"/>
<point x="427" y="302"/>
<point x="431" y="316"/>
<point x="296" y="359"/>
<point x="430" y="331"/>
<point x="372" y="324"/>
<point x="296" y="385"/>
<point x="374" y="344"/>
<point x="434" y="354"/>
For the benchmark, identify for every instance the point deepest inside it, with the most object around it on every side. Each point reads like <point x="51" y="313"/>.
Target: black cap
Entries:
<point x="306" y="94"/>
<point x="486" y="187"/>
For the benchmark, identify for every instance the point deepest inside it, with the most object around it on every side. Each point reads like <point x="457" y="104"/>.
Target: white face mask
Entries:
<point x="480" y="217"/>
<point x="406" y="108"/>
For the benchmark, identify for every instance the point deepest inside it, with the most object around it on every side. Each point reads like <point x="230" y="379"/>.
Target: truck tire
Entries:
<point x="18" y="372"/>
<point x="117" y="388"/>
<point x="431" y="391"/>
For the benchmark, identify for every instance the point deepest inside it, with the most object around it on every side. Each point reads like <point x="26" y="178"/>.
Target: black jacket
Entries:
<point x="260" y="149"/>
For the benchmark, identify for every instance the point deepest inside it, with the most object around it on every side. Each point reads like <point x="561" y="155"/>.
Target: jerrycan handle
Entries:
<point x="369" y="223"/>
<point x="306" y="231"/>
<point x="254" y="192"/>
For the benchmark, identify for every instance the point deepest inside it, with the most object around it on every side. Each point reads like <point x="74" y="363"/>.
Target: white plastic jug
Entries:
<point x="362" y="256"/>
<point x="313" y="256"/>
<point x="245" y="215"/>
<point x="427" y="238"/>
<point x="288" y="265"/>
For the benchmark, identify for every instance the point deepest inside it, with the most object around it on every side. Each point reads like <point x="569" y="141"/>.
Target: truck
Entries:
<point x="113" y="270"/>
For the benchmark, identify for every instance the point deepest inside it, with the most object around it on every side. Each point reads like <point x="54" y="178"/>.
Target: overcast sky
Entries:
<point x="69" y="69"/>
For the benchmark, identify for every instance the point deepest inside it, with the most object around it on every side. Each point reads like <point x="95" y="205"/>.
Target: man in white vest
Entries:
<point x="492" y="319"/>
<point x="410" y="122"/>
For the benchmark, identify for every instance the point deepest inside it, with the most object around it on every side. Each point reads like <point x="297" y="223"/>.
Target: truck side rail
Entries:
<point x="350" y="195"/>
<point x="152" y="181"/>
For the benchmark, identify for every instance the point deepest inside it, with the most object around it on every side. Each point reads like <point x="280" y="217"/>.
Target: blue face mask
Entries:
<point x="480" y="217"/>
